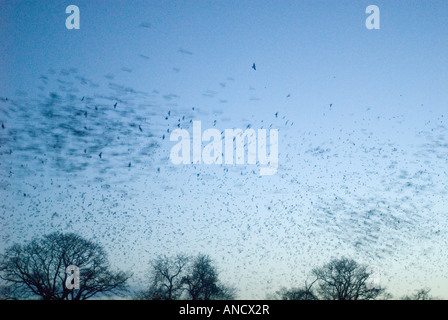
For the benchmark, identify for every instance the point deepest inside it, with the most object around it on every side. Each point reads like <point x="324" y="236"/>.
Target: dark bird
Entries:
<point x="82" y="99"/>
<point x="185" y="51"/>
<point x="288" y="96"/>
<point x="140" y="128"/>
<point x="3" y="125"/>
<point x="100" y="154"/>
<point x="254" y="67"/>
<point x="115" y="105"/>
<point x="145" y="25"/>
<point x="129" y="165"/>
<point x="331" y="105"/>
<point x="276" y="114"/>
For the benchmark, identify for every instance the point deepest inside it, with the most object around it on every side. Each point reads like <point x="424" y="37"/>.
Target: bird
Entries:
<point x="3" y="125"/>
<point x="140" y="128"/>
<point x="288" y="96"/>
<point x="100" y="154"/>
<point x="253" y="66"/>
<point x="276" y="114"/>
<point x="115" y="105"/>
<point x="145" y="25"/>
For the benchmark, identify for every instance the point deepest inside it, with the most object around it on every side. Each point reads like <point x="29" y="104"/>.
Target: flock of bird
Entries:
<point x="93" y="159"/>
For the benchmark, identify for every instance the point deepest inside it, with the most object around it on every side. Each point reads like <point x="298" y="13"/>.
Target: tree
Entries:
<point x="302" y="293"/>
<point x="202" y="283"/>
<point x="345" y="279"/>
<point x="38" y="269"/>
<point x="166" y="282"/>
<point x="421" y="294"/>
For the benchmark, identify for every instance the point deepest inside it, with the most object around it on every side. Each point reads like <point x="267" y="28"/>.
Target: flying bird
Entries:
<point x="254" y="67"/>
<point x="185" y="51"/>
<point x="145" y="25"/>
<point x="100" y="155"/>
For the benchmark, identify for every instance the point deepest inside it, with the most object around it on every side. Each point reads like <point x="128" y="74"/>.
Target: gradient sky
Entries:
<point x="365" y="178"/>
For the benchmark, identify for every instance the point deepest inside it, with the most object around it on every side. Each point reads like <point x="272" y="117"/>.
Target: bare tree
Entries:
<point x="302" y="293"/>
<point x="166" y="278"/>
<point x="202" y="283"/>
<point x="421" y="294"/>
<point x="345" y="279"/>
<point x="39" y="268"/>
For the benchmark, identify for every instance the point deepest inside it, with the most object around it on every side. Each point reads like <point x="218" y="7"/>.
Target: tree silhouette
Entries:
<point x="38" y="269"/>
<point x="202" y="283"/>
<point x="421" y="294"/>
<point x="167" y="274"/>
<point x="303" y="293"/>
<point x="345" y="279"/>
<point x="185" y="278"/>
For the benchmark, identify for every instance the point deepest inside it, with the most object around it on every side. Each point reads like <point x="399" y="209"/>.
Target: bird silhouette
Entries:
<point x="254" y="67"/>
<point x="100" y="155"/>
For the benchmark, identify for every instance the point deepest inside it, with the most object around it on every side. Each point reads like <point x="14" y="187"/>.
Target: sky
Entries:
<point x="361" y="114"/>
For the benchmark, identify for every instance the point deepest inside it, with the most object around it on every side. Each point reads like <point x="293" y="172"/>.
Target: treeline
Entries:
<point x="38" y="270"/>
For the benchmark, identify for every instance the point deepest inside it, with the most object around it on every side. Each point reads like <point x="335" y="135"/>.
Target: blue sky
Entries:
<point x="365" y="177"/>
